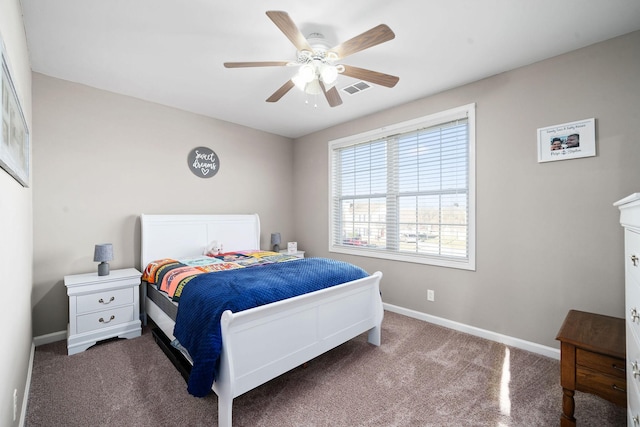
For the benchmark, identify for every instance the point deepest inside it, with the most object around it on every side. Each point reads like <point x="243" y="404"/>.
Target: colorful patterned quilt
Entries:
<point x="171" y="275"/>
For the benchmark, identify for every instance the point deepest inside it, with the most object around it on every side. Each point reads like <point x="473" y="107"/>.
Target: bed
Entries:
<point x="261" y="343"/>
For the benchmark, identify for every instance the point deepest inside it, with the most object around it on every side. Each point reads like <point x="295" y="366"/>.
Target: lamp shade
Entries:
<point x="103" y="252"/>
<point x="275" y="238"/>
<point x="329" y="74"/>
<point x="307" y="73"/>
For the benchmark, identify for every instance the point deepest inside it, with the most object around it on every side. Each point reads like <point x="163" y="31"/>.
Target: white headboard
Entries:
<point x="176" y="236"/>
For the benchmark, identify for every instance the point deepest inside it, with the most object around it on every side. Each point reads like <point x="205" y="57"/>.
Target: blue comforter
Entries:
<point x="207" y="296"/>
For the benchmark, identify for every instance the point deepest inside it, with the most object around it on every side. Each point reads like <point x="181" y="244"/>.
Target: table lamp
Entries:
<point x="103" y="253"/>
<point x="275" y="241"/>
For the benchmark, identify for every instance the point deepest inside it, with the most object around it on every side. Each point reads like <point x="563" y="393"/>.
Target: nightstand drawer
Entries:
<point x="104" y="299"/>
<point x="605" y="364"/>
<point x="608" y="387"/>
<point x="104" y="319"/>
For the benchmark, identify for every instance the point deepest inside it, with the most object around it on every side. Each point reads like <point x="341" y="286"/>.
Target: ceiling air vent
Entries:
<point x="356" y="88"/>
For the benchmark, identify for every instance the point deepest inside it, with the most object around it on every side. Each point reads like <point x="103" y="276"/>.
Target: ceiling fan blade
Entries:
<point x="373" y="37"/>
<point x="332" y="95"/>
<point x="256" y="64"/>
<point x="289" y="28"/>
<point x="381" y="79"/>
<point x="281" y="92"/>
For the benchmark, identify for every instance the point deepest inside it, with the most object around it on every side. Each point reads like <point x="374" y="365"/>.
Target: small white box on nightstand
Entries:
<point x="292" y="248"/>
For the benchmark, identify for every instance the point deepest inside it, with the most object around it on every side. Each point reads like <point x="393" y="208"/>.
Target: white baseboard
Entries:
<point x="482" y="333"/>
<point x="49" y="338"/>
<point x="27" y="388"/>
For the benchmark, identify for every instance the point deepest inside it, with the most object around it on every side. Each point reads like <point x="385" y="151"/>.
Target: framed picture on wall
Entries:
<point x="567" y="141"/>
<point x="14" y="139"/>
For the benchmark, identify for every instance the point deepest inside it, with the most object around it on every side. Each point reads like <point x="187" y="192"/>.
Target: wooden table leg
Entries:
<point x="568" y="408"/>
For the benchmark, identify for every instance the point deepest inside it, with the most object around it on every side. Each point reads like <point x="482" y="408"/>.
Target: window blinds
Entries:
<point x="405" y="193"/>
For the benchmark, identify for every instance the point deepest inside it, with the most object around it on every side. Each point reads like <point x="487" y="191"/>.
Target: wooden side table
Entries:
<point x="592" y="360"/>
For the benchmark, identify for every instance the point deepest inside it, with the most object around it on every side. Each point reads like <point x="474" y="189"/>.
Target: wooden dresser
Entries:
<point x="630" y="220"/>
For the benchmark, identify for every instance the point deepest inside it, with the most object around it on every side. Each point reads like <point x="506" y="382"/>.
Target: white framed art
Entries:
<point x="14" y="139"/>
<point x="567" y="141"/>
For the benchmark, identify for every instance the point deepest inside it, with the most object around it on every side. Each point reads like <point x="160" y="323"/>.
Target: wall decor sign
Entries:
<point x="567" y="141"/>
<point x="14" y="139"/>
<point x="203" y="162"/>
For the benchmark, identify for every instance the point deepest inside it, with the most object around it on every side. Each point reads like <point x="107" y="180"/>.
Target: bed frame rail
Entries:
<point x="264" y="342"/>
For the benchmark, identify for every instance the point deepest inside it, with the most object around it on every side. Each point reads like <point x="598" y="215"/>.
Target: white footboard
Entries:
<point x="261" y="343"/>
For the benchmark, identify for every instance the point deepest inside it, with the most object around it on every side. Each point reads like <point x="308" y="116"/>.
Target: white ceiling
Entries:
<point x="171" y="52"/>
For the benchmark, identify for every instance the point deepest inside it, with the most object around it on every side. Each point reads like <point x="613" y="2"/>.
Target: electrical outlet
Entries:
<point x="431" y="295"/>
<point x="15" y="404"/>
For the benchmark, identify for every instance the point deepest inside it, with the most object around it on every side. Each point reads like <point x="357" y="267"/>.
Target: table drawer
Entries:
<point x="608" y="387"/>
<point x="606" y="364"/>
<point x="104" y="299"/>
<point x="104" y="319"/>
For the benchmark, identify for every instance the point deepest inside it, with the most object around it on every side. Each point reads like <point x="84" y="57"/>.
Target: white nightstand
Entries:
<point x="102" y="307"/>
<point x="299" y="254"/>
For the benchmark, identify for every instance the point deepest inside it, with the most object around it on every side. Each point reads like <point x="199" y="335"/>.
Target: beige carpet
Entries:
<point x="422" y="375"/>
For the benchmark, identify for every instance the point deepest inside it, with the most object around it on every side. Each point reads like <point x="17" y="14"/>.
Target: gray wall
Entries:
<point x="101" y="159"/>
<point x="15" y="235"/>
<point x="548" y="237"/>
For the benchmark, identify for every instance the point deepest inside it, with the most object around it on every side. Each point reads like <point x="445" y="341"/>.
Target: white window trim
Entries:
<point x="467" y="111"/>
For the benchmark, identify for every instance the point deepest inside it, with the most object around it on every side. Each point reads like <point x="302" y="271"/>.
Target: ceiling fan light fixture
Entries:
<point x="313" y="87"/>
<point x="299" y="82"/>
<point x="316" y="58"/>
<point x="329" y="74"/>
<point x="307" y="73"/>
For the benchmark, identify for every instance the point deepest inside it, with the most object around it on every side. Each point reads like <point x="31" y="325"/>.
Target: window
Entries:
<point x="407" y="192"/>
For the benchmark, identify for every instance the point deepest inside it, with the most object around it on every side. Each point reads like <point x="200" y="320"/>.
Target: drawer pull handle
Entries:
<point x="634" y="260"/>
<point x="634" y="369"/>
<point x="101" y="320"/>
<point x="614" y="366"/>
<point x="636" y="420"/>
<point x="634" y="315"/>
<point x="101" y="301"/>
<point x="615" y="387"/>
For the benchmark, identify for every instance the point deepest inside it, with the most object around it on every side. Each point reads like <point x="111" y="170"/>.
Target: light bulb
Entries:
<point x="329" y="74"/>
<point x="299" y="82"/>
<point x="307" y="73"/>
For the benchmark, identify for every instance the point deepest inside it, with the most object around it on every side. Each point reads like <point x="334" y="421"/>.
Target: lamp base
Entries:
<point x="103" y="269"/>
<point x="276" y="248"/>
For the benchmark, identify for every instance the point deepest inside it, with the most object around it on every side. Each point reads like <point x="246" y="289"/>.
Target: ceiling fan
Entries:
<point x="317" y="60"/>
